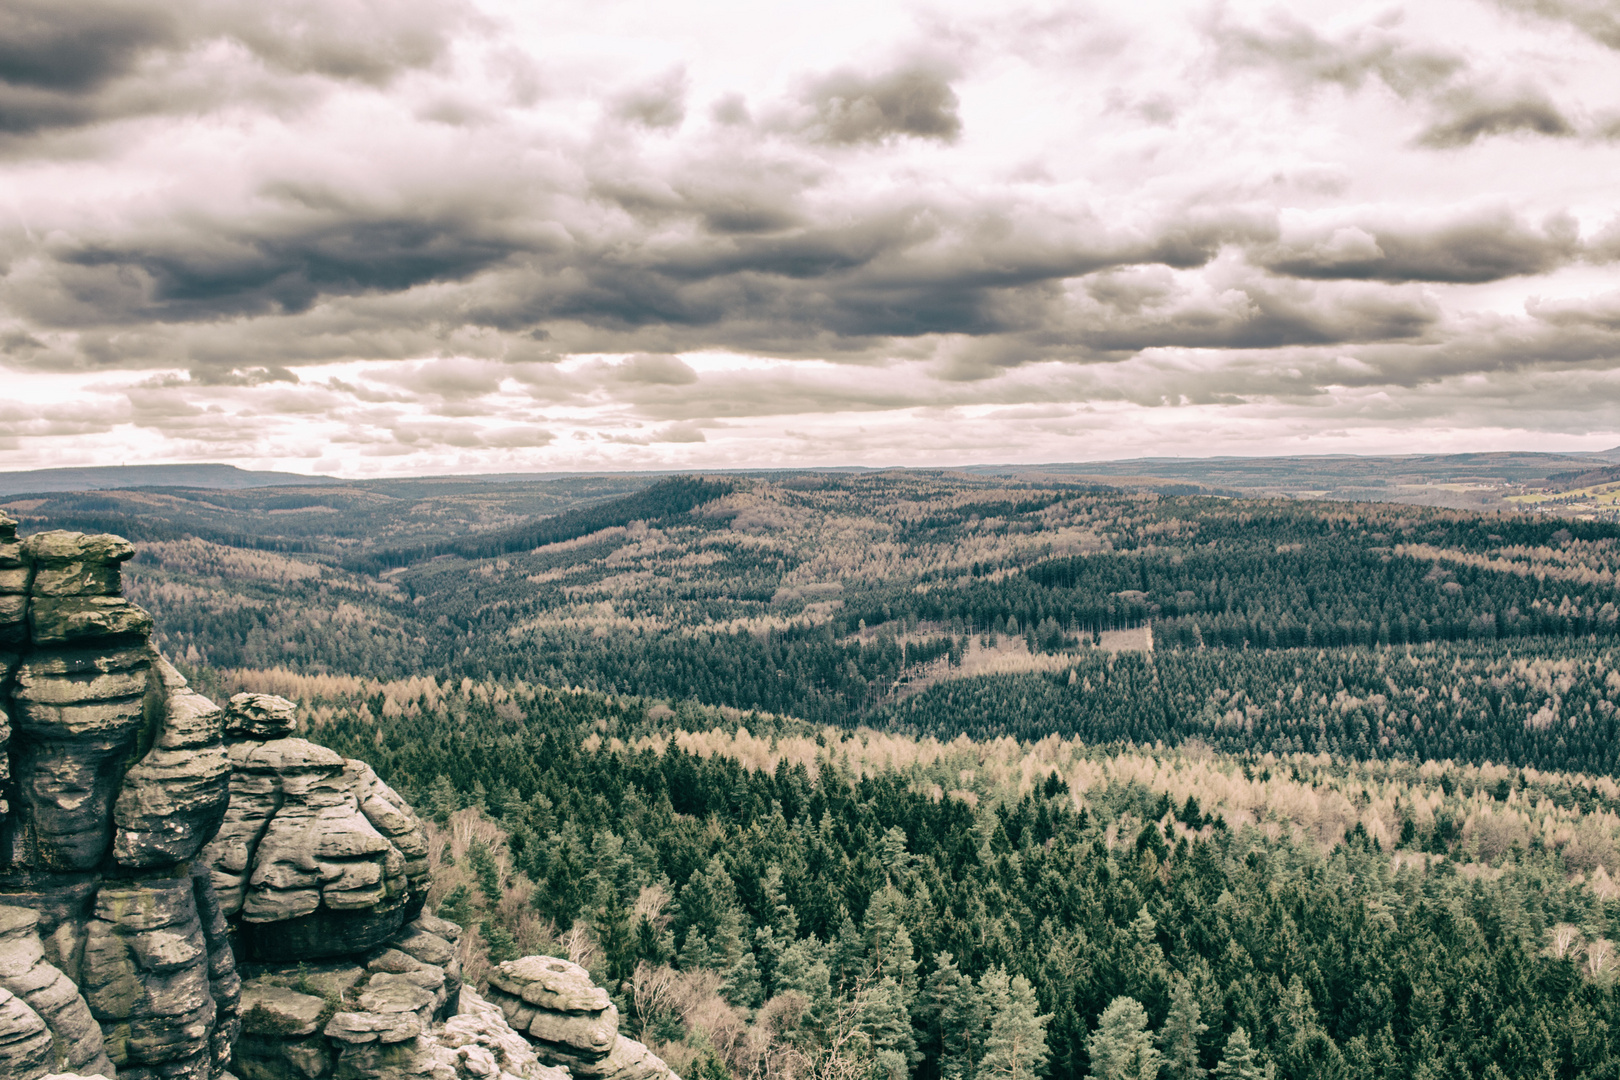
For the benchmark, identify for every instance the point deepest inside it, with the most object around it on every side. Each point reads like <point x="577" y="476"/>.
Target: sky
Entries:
<point x="404" y="237"/>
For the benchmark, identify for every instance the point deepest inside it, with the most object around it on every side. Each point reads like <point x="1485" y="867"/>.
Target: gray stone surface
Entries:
<point x="25" y="1041"/>
<point x="146" y="975"/>
<point x="397" y="1017"/>
<point x="271" y="1010"/>
<point x="570" y="1021"/>
<point x="550" y="983"/>
<point x="260" y="716"/>
<point x="26" y="973"/>
<point x="117" y="766"/>
<point x="315" y="854"/>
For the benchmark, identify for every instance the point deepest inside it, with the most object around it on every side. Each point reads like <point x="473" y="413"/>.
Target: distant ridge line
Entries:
<point x="117" y="477"/>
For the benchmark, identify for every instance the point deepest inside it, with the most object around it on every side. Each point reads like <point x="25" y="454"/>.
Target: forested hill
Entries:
<point x="1324" y="789"/>
<point x="936" y="602"/>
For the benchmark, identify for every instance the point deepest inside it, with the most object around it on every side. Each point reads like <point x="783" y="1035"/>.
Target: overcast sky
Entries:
<point x="406" y="236"/>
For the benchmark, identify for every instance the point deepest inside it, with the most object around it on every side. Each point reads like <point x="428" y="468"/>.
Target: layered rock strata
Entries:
<point x="570" y="1020"/>
<point x="398" y="1011"/>
<point x="149" y="839"/>
<point x="52" y="1030"/>
<point x="115" y="776"/>
<point x="316" y="857"/>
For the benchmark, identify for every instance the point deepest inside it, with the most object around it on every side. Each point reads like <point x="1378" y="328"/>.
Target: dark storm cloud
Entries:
<point x="53" y="46"/>
<point x="1598" y="19"/>
<point x="1480" y="247"/>
<point x="915" y="100"/>
<point x="316" y="243"/>
<point x="55" y="58"/>
<point x="1468" y="117"/>
<point x="1249" y="315"/>
<point x="1307" y="58"/>
<point x="65" y="64"/>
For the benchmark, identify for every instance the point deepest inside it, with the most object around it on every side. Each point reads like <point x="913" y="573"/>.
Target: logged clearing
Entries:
<point x="1011" y="656"/>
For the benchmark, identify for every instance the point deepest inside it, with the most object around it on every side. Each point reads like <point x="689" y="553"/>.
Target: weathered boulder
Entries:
<point x="15" y="574"/>
<point x="570" y="1020"/>
<point x="25" y="1041"/>
<point x="317" y="857"/>
<point x="73" y="564"/>
<point x="156" y="982"/>
<point x="474" y="1044"/>
<point x="77" y="716"/>
<point x="173" y="800"/>
<point x="261" y="716"/>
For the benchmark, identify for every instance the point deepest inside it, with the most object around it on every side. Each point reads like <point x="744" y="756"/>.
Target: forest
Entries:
<point x="760" y="890"/>
<point x="916" y="774"/>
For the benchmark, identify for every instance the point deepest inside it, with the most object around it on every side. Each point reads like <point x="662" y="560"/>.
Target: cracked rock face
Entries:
<point x="317" y="857"/>
<point x="116" y="775"/>
<point x="570" y="1021"/>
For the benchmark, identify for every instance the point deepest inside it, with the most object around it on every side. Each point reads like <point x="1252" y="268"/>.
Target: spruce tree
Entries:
<point x="884" y="1019"/>
<point x="1122" y="1047"/>
<point x="890" y="952"/>
<point x="1239" y="1061"/>
<point x="955" y="1019"/>
<point x="1182" y="1028"/>
<point x="1015" y="1044"/>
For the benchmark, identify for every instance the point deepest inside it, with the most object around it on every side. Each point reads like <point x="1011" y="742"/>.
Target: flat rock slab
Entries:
<point x="365" y="1027"/>
<point x="387" y="993"/>
<point x="550" y="983"/>
<point x="278" y="1011"/>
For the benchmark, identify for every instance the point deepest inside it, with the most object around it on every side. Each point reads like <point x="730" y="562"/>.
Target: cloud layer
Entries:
<point x="417" y="235"/>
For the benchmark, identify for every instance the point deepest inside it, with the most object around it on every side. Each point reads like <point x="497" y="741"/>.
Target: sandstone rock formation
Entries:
<point x="115" y="776"/>
<point x="53" y="1030"/>
<point x="570" y="1020"/>
<point x="317" y="857"/>
<point x="151" y="841"/>
<point x="399" y="1011"/>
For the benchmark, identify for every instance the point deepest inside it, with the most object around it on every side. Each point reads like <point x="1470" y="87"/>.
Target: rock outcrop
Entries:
<point x="398" y="1012"/>
<point x="115" y="776"/>
<point x="570" y="1020"/>
<point x="317" y="857"/>
<point x="186" y="889"/>
<point x="62" y="1036"/>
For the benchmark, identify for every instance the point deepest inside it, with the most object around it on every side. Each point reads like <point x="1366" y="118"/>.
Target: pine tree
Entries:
<point x="742" y="986"/>
<point x="892" y="854"/>
<point x="1122" y="1048"/>
<point x="847" y="950"/>
<point x="442" y="799"/>
<point x="1239" y="1061"/>
<point x="884" y="1019"/>
<point x="955" y="1018"/>
<point x="890" y="952"/>
<point x="1182" y="1028"/>
<point x="1015" y="1044"/>
<point x="781" y="927"/>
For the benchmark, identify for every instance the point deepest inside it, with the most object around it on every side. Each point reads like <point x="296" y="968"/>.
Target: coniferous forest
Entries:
<point x="925" y="775"/>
